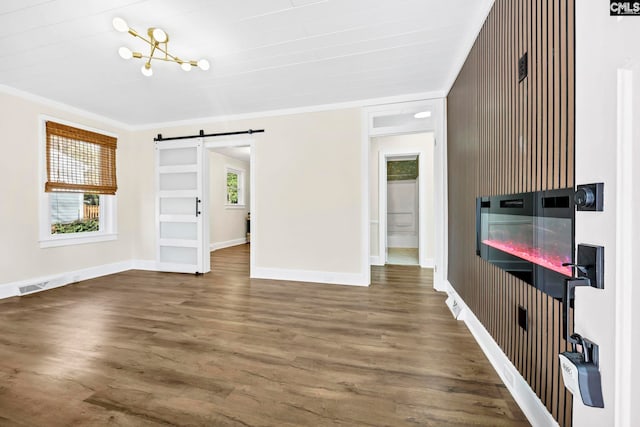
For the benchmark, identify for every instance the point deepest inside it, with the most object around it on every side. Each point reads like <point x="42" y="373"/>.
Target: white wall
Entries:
<point x="417" y="141"/>
<point x="604" y="45"/>
<point x="21" y="257"/>
<point x="227" y="225"/>
<point x="308" y="194"/>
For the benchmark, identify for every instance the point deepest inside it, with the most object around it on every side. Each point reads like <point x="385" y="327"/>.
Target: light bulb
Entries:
<point x="160" y="35"/>
<point x="203" y="64"/>
<point x="186" y="66"/>
<point x="125" y="53"/>
<point x="120" y="25"/>
<point x="422" y="115"/>
<point x="146" y="70"/>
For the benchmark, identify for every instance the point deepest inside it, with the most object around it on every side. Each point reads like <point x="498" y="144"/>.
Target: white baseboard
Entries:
<point x="53" y="281"/>
<point x="529" y="402"/>
<point x="428" y="263"/>
<point x="144" y="264"/>
<point x="376" y="260"/>
<point x="353" y="279"/>
<point x="379" y="261"/>
<point x="401" y="241"/>
<point x="227" y="244"/>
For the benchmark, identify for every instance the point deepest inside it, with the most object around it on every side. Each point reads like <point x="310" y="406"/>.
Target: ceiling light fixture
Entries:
<point x="157" y="41"/>
<point x="422" y="115"/>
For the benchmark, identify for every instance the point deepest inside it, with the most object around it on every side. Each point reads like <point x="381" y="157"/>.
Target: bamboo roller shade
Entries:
<point x="80" y="161"/>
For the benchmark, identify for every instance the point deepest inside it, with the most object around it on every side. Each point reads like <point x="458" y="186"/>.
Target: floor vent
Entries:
<point x="453" y="306"/>
<point x="29" y="289"/>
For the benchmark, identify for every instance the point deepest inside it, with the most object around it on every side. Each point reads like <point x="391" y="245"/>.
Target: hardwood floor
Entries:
<point x="143" y="348"/>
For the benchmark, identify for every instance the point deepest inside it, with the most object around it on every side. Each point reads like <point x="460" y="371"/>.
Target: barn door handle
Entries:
<point x="197" y="210"/>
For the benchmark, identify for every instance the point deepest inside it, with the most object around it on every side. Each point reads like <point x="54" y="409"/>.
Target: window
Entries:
<point x="235" y="187"/>
<point x="78" y="201"/>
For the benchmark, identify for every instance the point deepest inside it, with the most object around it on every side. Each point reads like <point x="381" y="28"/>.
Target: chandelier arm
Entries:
<point x="156" y="45"/>
<point x="160" y="58"/>
<point x="134" y="33"/>
<point x="153" y="48"/>
<point x="169" y="57"/>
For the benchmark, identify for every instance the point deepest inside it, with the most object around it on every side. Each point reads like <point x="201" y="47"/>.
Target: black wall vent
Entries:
<point x="522" y="67"/>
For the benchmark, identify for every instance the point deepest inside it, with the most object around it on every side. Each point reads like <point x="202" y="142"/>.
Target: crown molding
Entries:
<point x="8" y="90"/>
<point x="422" y="96"/>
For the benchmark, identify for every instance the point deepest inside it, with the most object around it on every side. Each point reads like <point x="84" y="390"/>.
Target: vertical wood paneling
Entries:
<point x="506" y="136"/>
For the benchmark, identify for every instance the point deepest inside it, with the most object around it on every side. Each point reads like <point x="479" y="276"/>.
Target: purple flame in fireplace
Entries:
<point x="535" y="255"/>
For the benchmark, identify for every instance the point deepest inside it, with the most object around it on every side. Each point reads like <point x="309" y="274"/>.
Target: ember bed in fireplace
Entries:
<point x="529" y="235"/>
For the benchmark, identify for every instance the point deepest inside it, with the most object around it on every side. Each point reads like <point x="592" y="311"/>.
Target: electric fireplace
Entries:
<point x="529" y="235"/>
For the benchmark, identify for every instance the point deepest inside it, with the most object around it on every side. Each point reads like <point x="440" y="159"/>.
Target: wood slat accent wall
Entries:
<point x="506" y="136"/>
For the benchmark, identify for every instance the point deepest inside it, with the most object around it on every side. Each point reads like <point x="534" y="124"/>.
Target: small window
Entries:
<point x="235" y="187"/>
<point x="74" y="213"/>
<point x="78" y="201"/>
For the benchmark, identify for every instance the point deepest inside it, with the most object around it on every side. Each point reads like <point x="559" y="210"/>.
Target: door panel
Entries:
<point x="402" y="214"/>
<point x="179" y="206"/>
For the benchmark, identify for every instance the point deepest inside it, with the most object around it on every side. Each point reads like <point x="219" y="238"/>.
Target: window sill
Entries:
<point x="76" y="240"/>
<point x="235" y="206"/>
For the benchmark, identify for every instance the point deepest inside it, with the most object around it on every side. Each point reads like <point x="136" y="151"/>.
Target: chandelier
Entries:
<point x="157" y="41"/>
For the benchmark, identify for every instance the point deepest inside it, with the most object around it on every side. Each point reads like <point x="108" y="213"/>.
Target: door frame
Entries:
<point x="240" y="141"/>
<point x="437" y="125"/>
<point x="383" y="156"/>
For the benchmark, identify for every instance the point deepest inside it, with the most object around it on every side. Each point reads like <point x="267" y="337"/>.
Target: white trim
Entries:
<point x="427" y="263"/>
<point x="531" y="405"/>
<point x="63" y="107"/>
<point x="440" y="197"/>
<point x="352" y="279"/>
<point x="43" y="118"/>
<point x="421" y="96"/>
<point x="376" y="260"/>
<point x="221" y="118"/>
<point x="365" y="240"/>
<point x="229" y="243"/>
<point x="625" y="258"/>
<point x="144" y="264"/>
<point x="77" y="239"/>
<point x="62" y="279"/>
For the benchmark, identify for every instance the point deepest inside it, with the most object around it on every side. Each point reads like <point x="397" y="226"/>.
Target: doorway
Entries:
<point x="406" y="119"/>
<point x="229" y="196"/>
<point x="402" y="199"/>
<point x="403" y="210"/>
<point x="230" y="190"/>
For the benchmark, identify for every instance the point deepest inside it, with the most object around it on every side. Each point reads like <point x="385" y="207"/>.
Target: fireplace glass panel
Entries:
<point x="529" y="235"/>
<point x="539" y="240"/>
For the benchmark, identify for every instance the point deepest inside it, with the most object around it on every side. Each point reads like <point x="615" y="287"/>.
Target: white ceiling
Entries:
<point x="265" y="54"/>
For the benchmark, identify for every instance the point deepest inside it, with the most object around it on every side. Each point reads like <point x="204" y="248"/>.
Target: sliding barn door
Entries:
<point x="180" y="230"/>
